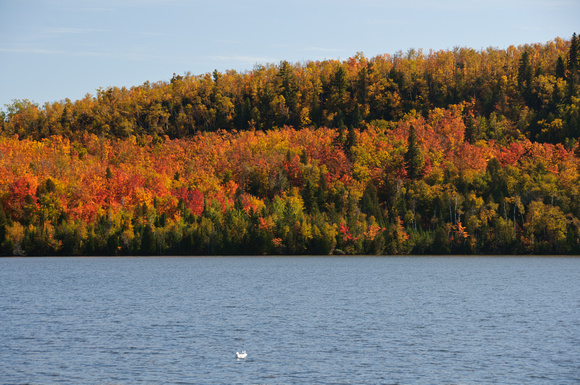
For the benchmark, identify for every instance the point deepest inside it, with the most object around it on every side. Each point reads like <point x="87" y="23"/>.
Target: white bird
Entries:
<point x="243" y="354"/>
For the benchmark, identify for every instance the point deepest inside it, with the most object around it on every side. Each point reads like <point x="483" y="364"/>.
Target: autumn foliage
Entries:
<point x="447" y="152"/>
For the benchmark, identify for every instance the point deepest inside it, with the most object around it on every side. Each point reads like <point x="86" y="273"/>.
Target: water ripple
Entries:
<point x="301" y="320"/>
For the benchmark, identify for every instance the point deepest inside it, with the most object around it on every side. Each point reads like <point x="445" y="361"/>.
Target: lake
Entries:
<point x="302" y="320"/>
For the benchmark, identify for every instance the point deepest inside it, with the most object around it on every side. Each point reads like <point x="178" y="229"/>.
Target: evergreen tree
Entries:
<point x="412" y="156"/>
<point x="440" y="243"/>
<point x="573" y="54"/>
<point x="340" y="80"/>
<point x="370" y="203"/>
<point x="356" y="117"/>
<point x="363" y="84"/>
<point x="289" y="90"/>
<point x="148" y="244"/>
<point x="560" y="68"/>
<point x="108" y="173"/>
<point x="3" y="224"/>
<point x="573" y="68"/>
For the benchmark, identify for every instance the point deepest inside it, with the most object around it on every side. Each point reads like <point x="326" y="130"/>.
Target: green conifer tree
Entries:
<point x="148" y="243"/>
<point x="413" y="156"/>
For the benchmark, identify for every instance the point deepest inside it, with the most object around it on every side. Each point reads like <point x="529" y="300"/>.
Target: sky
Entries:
<point x="51" y="50"/>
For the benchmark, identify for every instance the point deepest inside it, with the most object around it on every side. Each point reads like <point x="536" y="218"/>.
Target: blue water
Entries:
<point x="302" y="320"/>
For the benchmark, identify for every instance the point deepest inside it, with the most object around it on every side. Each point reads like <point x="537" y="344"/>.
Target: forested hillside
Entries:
<point x="457" y="151"/>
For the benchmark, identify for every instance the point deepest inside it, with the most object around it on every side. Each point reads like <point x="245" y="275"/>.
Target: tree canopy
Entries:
<point x="456" y="151"/>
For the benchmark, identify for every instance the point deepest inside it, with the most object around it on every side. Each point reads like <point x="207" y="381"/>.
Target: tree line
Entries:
<point x="529" y="90"/>
<point x="456" y="151"/>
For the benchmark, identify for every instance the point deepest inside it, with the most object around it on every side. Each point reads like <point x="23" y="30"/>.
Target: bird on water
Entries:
<point x="243" y="354"/>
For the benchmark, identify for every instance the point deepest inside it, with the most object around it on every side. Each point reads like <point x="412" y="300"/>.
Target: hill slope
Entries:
<point x="451" y="152"/>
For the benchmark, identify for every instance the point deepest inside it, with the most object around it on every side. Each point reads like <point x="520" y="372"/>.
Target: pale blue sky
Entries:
<point x="56" y="49"/>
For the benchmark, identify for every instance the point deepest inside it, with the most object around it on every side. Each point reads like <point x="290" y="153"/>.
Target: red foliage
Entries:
<point x="345" y="232"/>
<point x="470" y="157"/>
<point x="511" y="154"/>
<point x="193" y="199"/>
<point x="17" y="192"/>
<point x="293" y="170"/>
